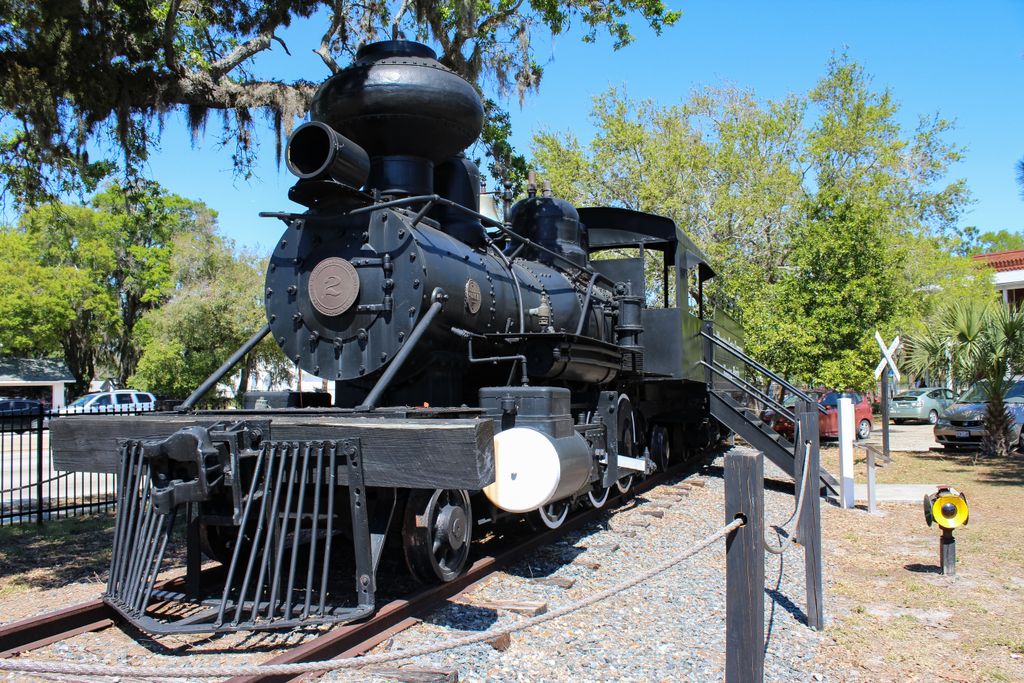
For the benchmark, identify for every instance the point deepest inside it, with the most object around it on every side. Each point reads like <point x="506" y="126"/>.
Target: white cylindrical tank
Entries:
<point x="532" y="469"/>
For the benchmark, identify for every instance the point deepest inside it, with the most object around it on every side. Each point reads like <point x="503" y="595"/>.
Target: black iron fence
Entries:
<point x="31" y="490"/>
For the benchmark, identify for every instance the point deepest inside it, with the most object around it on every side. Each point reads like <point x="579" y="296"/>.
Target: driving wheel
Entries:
<point x="661" y="450"/>
<point x="553" y="515"/>
<point x="436" y="533"/>
<point x="627" y="439"/>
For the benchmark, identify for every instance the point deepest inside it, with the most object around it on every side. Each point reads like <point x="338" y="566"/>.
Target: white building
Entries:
<point x="37" y="375"/>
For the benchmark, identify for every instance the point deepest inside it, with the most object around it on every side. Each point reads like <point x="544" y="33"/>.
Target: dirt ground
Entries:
<point x="893" y="616"/>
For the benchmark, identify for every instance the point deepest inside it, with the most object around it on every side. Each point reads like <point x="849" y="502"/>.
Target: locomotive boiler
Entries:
<point x="483" y="369"/>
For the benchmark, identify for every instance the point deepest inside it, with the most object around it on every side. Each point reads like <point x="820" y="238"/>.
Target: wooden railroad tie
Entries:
<point x="416" y="674"/>
<point x="658" y="503"/>
<point x="699" y="483"/>
<point x="653" y="513"/>
<point x="557" y="581"/>
<point x="530" y="608"/>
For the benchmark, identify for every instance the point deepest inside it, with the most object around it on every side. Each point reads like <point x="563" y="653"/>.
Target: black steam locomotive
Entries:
<point x="482" y="368"/>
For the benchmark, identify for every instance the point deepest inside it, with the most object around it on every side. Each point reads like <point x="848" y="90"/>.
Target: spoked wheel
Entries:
<point x="553" y="515"/>
<point x="627" y="439"/>
<point x="218" y="542"/>
<point x="661" y="449"/>
<point x="436" y="533"/>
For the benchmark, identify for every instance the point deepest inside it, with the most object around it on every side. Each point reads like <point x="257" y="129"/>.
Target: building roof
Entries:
<point x="1003" y="260"/>
<point x="15" y="370"/>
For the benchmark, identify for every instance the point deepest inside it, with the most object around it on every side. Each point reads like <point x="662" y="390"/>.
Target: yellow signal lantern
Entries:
<point x="947" y="508"/>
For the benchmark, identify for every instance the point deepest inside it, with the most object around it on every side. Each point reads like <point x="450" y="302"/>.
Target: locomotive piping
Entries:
<point x="396" y="364"/>
<point x="225" y="368"/>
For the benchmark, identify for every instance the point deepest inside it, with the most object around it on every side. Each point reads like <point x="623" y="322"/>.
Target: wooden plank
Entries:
<point x="744" y="561"/>
<point x="434" y="453"/>
<point x="530" y="608"/>
<point x="415" y="674"/>
<point x="658" y="514"/>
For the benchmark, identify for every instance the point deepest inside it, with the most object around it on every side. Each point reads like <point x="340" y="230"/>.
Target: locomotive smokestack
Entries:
<point x="315" y="150"/>
<point x="405" y="109"/>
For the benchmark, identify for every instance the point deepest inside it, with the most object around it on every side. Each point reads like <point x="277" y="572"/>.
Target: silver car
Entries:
<point x="963" y="423"/>
<point x="925" y="404"/>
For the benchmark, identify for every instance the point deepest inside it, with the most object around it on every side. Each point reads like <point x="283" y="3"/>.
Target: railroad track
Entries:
<point x="350" y="640"/>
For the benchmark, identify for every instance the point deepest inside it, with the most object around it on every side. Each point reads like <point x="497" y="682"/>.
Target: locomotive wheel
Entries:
<point x="597" y="496"/>
<point x="553" y="515"/>
<point x="436" y="533"/>
<point x="661" y="449"/>
<point x="218" y="542"/>
<point x="627" y="439"/>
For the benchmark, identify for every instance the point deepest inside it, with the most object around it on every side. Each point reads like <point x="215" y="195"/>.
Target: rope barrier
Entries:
<point x="84" y="669"/>
<point x="781" y="548"/>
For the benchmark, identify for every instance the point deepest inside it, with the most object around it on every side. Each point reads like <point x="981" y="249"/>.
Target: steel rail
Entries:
<point x="39" y="631"/>
<point x="344" y="641"/>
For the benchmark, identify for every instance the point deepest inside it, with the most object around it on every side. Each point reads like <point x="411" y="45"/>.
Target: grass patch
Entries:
<point x="961" y="621"/>
<point x="55" y="553"/>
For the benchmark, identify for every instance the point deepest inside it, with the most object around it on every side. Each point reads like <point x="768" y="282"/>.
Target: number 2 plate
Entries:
<point x="962" y="435"/>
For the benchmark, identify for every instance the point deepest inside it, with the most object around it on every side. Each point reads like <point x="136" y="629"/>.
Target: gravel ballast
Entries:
<point x="671" y="628"/>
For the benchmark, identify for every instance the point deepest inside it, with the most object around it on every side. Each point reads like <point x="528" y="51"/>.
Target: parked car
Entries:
<point x="920" y="404"/>
<point x="121" y="400"/>
<point x="18" y="414"/>
<point x="828" y="422"/>
<point x="963" y="423"/>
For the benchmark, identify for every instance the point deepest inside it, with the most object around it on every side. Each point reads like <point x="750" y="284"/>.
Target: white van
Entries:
<point x="121" y="400"/>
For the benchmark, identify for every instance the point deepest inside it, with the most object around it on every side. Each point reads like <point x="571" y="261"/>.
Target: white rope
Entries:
<point x="781" y="548"/>
<point x="88" y="669"/>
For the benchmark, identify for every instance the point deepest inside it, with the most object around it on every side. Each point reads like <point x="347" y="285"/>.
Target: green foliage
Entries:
<point x="217" y="305"/>
<point x="825" y="219"/>
<point x="73" y="73"/>
<point x="89" y="273"/>
<point x="998" y="240"/>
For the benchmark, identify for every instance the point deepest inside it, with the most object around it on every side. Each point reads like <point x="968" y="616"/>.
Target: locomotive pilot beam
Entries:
<point x="547" y="374"/>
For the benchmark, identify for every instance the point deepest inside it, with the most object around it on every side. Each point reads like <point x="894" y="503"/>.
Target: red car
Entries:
<point x="828" y="422"/>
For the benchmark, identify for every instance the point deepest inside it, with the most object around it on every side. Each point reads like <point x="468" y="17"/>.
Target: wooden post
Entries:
<point x="809" y="524"/>
<point x="744" y="575"/>
<point x="947" y="552"/>
<point x="885" y="416"/>
<point x="872" y="498"/>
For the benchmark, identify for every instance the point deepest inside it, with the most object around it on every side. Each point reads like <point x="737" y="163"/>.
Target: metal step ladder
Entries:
<point x="742" y="420"/>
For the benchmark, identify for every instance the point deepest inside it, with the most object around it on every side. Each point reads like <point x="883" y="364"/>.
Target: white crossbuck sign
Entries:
<point x="887" y="356"/>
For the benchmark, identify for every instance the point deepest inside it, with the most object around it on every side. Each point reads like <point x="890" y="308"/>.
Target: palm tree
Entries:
<point x="970" y="342"/>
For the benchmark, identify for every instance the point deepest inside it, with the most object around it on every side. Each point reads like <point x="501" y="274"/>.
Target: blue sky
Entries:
<point x="962" y="60"/>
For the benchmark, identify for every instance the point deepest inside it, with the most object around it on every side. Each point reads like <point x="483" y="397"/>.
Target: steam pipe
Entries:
<point x="225" y="368"/>
<point x="396" y="364"/>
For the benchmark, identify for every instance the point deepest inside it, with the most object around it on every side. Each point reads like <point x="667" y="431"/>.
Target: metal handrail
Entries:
<point x="738" y="381"/>
<point x="715" y="339"/>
